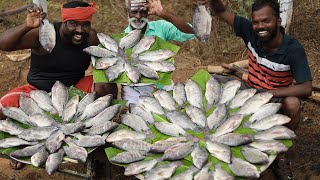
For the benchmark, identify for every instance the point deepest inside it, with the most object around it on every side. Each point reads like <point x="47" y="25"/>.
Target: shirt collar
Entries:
<point x="284" y="45"/>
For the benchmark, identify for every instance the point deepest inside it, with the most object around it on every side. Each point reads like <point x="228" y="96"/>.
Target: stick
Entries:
<point x="315" y="88"/>
<point x="16" y="11"/>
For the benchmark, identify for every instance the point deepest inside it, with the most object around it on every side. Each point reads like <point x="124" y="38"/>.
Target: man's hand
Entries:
<point x="155" y="8"/>
<point x="34" y="17"/>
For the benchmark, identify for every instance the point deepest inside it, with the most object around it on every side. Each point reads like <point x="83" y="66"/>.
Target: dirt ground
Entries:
<point x="223" y="47"/>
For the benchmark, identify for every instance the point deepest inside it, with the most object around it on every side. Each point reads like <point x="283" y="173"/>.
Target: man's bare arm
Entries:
<point x="303" y="90"/>
<point x="220" y="10"/>
<point x="25" y="36"/>
<point x="155" y="8"/>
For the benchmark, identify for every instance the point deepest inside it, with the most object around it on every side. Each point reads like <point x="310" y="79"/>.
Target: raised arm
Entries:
<point x="220" y="10"/>
<point x="155" y="8"/>
<point x="25" y="36"/>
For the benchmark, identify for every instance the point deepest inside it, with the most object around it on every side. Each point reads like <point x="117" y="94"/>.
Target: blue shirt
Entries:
<point x="164" y="30"/>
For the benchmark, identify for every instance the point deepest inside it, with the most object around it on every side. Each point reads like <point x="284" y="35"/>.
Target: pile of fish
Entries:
<point x="114" y="58"/>
<point x="216" y="115"/>
<point x="84" y="126"/>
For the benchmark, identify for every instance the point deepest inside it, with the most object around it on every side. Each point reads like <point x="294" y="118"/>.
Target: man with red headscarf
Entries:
<point x="66" y="62"/>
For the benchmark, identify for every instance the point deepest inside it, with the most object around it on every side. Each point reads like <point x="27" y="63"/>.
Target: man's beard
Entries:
<point x="69" y="37"/>
<point x="268" y="38"/>
<point x="138" y="24"/>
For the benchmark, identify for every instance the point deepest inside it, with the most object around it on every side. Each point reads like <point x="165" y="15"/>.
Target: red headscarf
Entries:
<point x="79" y="13"/>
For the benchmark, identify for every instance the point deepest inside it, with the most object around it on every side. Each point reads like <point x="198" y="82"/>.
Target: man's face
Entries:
<point x="265" y="24"/>
<point x="138" y="15"/>
<point x="76" y="32"/>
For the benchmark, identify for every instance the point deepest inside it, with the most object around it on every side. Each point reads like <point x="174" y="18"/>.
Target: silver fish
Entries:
<point x="165" y="99"/>
<point x="187" y="174"/>
<point x="197" y="115"/>
<point x="36" y="133"/>
<point x="54" y="141"/>
<point x="101" y="128"/>
<point x="85" y="101"/>
<point x="135" y="122"/>
<point x="151" y="104"/>
<point x="70" y="109"/>
<point x="157" y="55"/>
<point x="264" y="111"/>
<point x="254" y="103"/>
<point x="276" y="132"/>
<point x="161" y="146"/>
<point x="241" y="97"/>
<point x="53" y="161"/>
<point x="59" y="96"/>
<point x="96" y="107"/>
<point x="125" y="134"/>
<point x="43" y="100"/>
<point x="147" y="71"/>
<point x="29" y="106"/>
<point x="164" y="171"/>
<point x="10" y="127"/>
<point x="42" y="120"/>
<point x="203" y="174"/>
<point x="115" y="71"/>
<point x="140" y="167"/>
<point x="99" y="52"/>
<point x="13" y="142"/>
<point x="229" y="91"/>
<point x="194" y="93"/>
<point x="140" y="111"/>
<point x="270" y="121"/>
<point x="199" y="156"/>
<point x="130" y="39"/>
<point x="169" y="128"/>
<point x="244" y="169"/>
<point x="128" y="157"/>
<point x="202" y="22"/>
<point x="230" y="124"/>
<point x="75" y="152"/>
<point x="16" y="114"/>
<point x="217" y="117"/>
<point x="70" y="128"/>
<point x="105" y="115"/>
<point x="270" y="146"/>
<point x="213" y="92"/>
<point x="143" y="45"/>
<point x="105" y="63"/>
<point x="132" y="73"/>
<point x="39" y="158"/>
<point x="220" y="174"/>
<point x="88" y="141"/>
<point x="181" y="119"/>
<point x="47" y="35"/>
<point x="108" y="42"/>
<point x="27" y="151"/>
<point x="132" y="145"/>
<point x="179" y="94"/>
<point x="254" y="156"/>
<point x="232" y="139"/>
<point x="161" y="66"/>
<point x="219" y="151"/>
<point x="178" y="151"/>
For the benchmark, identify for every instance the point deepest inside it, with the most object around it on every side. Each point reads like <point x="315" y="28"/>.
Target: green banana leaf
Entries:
<point x="201" y="78"/>
<point x="164" y="78"/>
